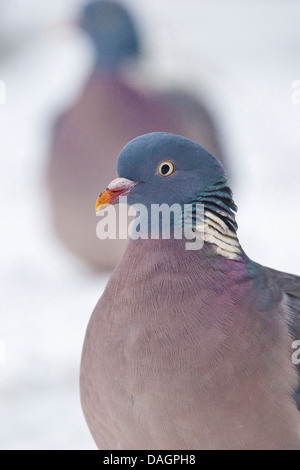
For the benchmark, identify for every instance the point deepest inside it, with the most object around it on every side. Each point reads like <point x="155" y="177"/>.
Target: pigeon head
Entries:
<point x="112" y="31"/>
<point x="163" y="168"/>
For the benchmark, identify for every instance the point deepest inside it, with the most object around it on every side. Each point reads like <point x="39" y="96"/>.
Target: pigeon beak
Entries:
<point x="118" y="187"/>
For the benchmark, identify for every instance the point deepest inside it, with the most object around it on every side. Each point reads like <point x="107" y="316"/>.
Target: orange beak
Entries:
<point x="118" y="187"/>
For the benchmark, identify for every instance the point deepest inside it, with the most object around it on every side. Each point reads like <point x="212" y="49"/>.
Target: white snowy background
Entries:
<point x="243" y="57"/>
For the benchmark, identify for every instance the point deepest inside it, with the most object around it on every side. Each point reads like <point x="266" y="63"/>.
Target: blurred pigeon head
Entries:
<point x="112" y="31"/>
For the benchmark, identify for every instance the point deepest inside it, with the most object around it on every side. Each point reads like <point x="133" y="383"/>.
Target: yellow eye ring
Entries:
<point x="165" y="168"/>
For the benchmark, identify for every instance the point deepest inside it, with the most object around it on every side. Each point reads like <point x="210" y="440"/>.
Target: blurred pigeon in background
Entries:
<point x="109" y="112"/>
<point x="189" y="349"/>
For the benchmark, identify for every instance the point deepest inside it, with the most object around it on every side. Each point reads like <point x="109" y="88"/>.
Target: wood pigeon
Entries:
<point x="110" y="111"/>
<point x="189" y="349"/>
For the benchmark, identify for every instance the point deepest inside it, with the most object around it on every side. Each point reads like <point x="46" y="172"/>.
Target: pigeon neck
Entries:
<point x="158" y="254"/>
<point x="217" y="233"/>
<point x="212" y="229"/>
<point x="219" y="226"/>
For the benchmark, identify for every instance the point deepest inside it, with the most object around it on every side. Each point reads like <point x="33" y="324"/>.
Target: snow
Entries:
<point x="242" y="56"/>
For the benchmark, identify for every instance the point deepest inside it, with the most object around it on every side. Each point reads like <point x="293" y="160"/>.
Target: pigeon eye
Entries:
<point x="165" y="168"/>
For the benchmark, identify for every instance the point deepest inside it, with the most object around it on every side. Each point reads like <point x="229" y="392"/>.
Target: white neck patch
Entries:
<point x="216" y="232"/>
